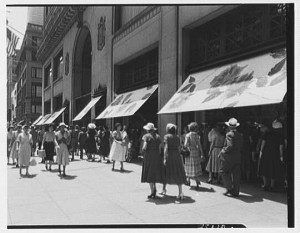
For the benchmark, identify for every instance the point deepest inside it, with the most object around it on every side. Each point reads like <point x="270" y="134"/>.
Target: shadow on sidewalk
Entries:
<point x="30" y="176"/>
<point x="249" y="199"/>
<point x="67" y="177"/>
<point x="167" y="199"/>
<point x="203" y="189"/>
<point x="124" y="171"/>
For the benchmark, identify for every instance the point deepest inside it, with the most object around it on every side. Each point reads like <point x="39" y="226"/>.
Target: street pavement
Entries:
<point x="93" y="194"/>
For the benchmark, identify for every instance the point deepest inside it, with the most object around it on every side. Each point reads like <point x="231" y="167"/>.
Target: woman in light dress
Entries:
<point x="63" y="139"/>
<point x="193" y="161"/>
<point x="13" y="146"/>
<point x="217" y="138"/>
<point x="10" y="135"/>
<point x="24" y="144"/>
<point x="117" y="151"/>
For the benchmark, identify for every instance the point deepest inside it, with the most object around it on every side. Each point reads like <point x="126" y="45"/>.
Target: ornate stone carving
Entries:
<point x="101" y="34"/>
<point x="67" y="64"/>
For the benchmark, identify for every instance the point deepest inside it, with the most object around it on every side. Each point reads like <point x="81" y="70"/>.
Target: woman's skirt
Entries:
<point x="49" y="149"/>
<point x="13" y="151"/>
<point x="24" y="154"/>
<point x="193" y="165"/>
<point x="117" y="152"/>
<point x="213" y="164"/>
<point x="63" y="155"/>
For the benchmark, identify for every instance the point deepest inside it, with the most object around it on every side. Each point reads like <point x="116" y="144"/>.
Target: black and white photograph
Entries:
<point x="139" y="115"/>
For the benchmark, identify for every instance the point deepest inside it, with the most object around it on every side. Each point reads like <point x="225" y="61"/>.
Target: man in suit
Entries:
<point x="230" y="159"/>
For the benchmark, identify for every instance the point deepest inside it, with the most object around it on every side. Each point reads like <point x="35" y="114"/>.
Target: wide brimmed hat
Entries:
<point x="170" y="126"/>
<point x="62" y="124"/>
<point x="277" y="125"/>
<point x="25" y="126"/>
<point x="232" y="122"/>
<point x="149" y="126"/>
<point x="91" y="126"/>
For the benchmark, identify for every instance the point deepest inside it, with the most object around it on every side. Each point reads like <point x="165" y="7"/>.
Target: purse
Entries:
<point x="32" y="162"/>
<point x="185" y="151"/>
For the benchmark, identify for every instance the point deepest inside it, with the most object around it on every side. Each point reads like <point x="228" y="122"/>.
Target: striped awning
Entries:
<point x="37" y="120"/>
<point x="87" y="108"/>
<point x="42" y="121"/>
<point x="54" y="116"/>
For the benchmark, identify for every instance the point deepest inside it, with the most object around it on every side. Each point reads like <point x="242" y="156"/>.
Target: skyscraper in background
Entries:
<point x="35" y="15"/>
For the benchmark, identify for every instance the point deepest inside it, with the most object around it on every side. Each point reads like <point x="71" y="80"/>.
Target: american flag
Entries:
<point x="11" y="42"/>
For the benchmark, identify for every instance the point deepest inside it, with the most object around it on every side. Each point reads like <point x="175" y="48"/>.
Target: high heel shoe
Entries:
<point x="152" y="195"/>
<point x="209" y="181"/>
<point x="163" y="192"/>
<point x="180" y="196"/>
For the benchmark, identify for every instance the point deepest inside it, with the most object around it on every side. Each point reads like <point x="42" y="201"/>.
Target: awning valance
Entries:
<point x="128" y="103"/>
<point x="87" y="108"/>
<point x="42" y="121"/>
<point x="54" y="116"/>
<point x="37" y="120"/>
<point x="257" y="81"/>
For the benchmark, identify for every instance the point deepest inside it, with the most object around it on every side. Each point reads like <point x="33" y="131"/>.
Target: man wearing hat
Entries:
<point x="63" y="139"/>
<point x="230" y="159"/>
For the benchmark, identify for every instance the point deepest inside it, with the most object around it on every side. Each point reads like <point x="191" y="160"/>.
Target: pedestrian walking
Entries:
<point x="24" y="144"/>
<point x="125" y="139"/>
<point x="117" y="151"/>
<point x="174" y="169"/>
<point x="104" y="148"/>
<point x="152" y="170"/>
<point x="193" y="161"/>
<point x="34" y="135"/>
<point x="49" y="144"/>
<point x="63" y="139"/>
<point x="271" y="156"/>
<point x="217" y="142"/>
<point x="82" y="136"/>
<point x="230" y="159"/>
<point x="40" y="136"/>
<point x="74" y="132"/>
<point x="10" y="136"/>
<point x="182" y="141"/>
<point x="14" y="153"/>
<point x="91" y="148"/>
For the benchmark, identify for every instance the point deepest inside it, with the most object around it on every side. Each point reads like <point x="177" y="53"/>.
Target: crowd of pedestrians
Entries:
<point x="227" y="152"/>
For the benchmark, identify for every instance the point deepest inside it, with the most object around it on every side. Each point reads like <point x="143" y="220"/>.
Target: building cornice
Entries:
<point x="57" y="24"/>
<point x="136" y="22"/>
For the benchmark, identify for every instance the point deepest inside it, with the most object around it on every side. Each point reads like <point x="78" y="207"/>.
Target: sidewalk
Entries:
<point x="92" y="194"/>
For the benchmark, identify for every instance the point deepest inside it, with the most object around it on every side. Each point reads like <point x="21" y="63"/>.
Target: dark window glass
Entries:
<point x="58" y="66"/>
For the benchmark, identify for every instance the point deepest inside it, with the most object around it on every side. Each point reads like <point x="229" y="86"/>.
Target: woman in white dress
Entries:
<point x="13" y="145"/>
<point x="63" y="139"/>
<point x="24" y="144"/>
<point x="10" y="135"/>
<point x="117" y="151"/>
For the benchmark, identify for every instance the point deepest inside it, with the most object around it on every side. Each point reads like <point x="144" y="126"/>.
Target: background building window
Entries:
<point x="47" y="76"/>
<point x="247" y="28"/>
<point x="58" y="66"/>
<point x="34" y="41"/>
<point x="36" y="72"/>
<point x="36" y="90"/>
<point x="33" y="55"/>
<point x="140" y="71"/>
<point x="36" y="108"/>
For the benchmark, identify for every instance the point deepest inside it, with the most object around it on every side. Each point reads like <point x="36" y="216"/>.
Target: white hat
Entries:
<point x="91" y="126"/>
<point x="276" y="125"/>
<point x="149" y="126"/>
<point x="232" y="122"/>
<point x="62" y="124"/>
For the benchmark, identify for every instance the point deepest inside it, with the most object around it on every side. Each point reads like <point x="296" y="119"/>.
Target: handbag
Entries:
<point x="185" y="151"/>
<point x="41" y="153"/>
<point x="32" y="162"/>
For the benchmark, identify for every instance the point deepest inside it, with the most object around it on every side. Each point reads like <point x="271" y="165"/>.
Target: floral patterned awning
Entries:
<point x="257" y="81"/>
<point x="54" y="116"/>
<point x="87" y="108"/>
<point x="128" y="103"/>
<point x="42" y="121"/>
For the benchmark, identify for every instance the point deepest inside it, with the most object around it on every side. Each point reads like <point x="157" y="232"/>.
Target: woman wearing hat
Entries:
<point x="63" y="139"/>
<point x="174" y="169"/>
<point x="152" y="171"/>
<point x="117" y="151"/>
<point x="13" y="145"/>
<point x="24" y="144"/>
<point x="91" y="148"/>
<point x="193" y="161"/>
<point x="271" y="156"/>
<point x="49" y="143"/>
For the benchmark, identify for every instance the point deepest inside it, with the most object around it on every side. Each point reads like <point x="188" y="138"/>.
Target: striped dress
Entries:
<point x="193" y="162"/>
